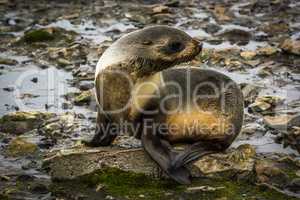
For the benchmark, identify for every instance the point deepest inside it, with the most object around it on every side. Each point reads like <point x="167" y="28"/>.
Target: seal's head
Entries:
<point x="152" y="49"/>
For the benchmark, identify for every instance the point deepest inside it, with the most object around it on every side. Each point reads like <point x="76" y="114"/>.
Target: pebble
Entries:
<point x="9" y="89"/>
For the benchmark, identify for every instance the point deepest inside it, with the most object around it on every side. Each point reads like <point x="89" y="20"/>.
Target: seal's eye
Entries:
<point x="175" y="47"/>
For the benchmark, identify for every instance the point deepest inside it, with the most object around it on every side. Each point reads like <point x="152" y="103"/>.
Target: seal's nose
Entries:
<point x="198" y="43"/>
<point x="200" y="46"/>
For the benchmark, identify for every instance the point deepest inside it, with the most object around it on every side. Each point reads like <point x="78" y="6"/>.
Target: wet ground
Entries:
<point x="52" y="70"/>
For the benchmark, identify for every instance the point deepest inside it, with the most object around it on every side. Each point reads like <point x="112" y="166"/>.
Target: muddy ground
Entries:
<point x="48" y="54"/>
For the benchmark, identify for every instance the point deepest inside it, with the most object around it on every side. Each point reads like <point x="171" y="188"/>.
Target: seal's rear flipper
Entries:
<point x="161" y="152"/>
<point x="194" y="152"/>
<point x="103" y="134"/>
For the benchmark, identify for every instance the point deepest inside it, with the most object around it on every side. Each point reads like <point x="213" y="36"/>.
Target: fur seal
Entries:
<point x="164" y="106"/>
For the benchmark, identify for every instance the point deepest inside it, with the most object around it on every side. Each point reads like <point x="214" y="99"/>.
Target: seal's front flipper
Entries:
<point x="104" y="136"/>
<point x="192" y="153"/>
<point x="161" y="152"/>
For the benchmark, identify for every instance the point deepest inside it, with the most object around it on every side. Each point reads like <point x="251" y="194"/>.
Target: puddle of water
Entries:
<point x="87" y="29"/>
<point x="198" y="33"/>
<point x="264" y="144"/>
<point x="296" y="36"/>
<point x="251" y="46"/>
<point x="227" y="27"/>
<point x="237" y="7"/>
<point x="50" y="87"/>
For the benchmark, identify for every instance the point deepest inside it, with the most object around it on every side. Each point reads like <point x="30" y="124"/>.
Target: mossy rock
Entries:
<point x="39" y="35"/>
<point x="52" y="34"/>
<point x="20" y="147"/>
<point x="8" y="61"/>
<point x="128" y="185"/>
<point x="21" y="122"/>
<point x="83" y="98"/>
<point x="130" y="173"/>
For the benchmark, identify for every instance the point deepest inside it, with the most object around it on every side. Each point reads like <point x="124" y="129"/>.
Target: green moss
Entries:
<point x="8" y="61"/>
<point x="3" y="197"/>
<point x="53" y="36"/>
<point x="122" y="184"/>
<point x="21" y="122"/>
<point x="83" y="98"/>
<point x="20" y="147"/>
<point x="40" y="35"/>
<point x="24" y="116"/>
<point x="128" y="185"/>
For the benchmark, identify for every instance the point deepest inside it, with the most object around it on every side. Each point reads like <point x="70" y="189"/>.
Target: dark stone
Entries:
<point x="35" y="79"/>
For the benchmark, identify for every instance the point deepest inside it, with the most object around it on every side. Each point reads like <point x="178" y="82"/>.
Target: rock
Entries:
<point x="236" y="36"/>
<point x="252" y="128"/>
<point x="294" y="185"/>
<point x="109" y="197"/>
<point x="240" y="160"/>
<point x="276" y="27"/>
<point x="265" y="103"/>
<point x="221" y="13"/>
<point x="267" y="68"/>
<point x="259" y="106"/>
<point x="71" y="16"/>
<point x="86" y="85"/>
<point x="20" y="147"/>
<point x="248" y="55"/>
<point x="291" y="46"/>
<point x="21" y="122"/>
<point x="39" y="35"/>
<point x="288" y="127"/>
<point x="127" y="142"/>
<point x="83" y="98"/>
<point x="265" y="71"/>
<point x="268" y="172"/>
<point x="59" y="127"/>
<point x="232" y="64"/>
<point x="267" y="51"/>
<point x="279" y="122"/>
<point x="9" y="89"/>
<point x="172" y="3"/>
<point x="84" y="71"/>
<point x="3" y="2"/>
<point x="212" y="28"/>
<point x="292" y="138"/>
<point x="63" y="62"/>
<point x="250" y="92"/>
<point x="273" y="100"/>
<point x="204" y="188"/>
<point x="66" y="105"/>
<point x="72" y="163"/>
<point x="8" y="61"/>
<point x="28" y="95"/>
<point x="160" y="9"/>
<point x="34" y="79"/>
<point x="76" y="53"/>
<point x="51" y="34"/>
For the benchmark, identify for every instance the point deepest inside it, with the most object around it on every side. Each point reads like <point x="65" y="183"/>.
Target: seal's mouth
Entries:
<point x="191" y="51"/>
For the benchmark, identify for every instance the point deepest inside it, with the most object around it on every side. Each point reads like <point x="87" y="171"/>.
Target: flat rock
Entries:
<point x="20" y="147"/>
<point x="282" y="122"/>
<point x="21" y="122"/>
<point x="291" y="46"/>
<point x="72" y="163"/>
